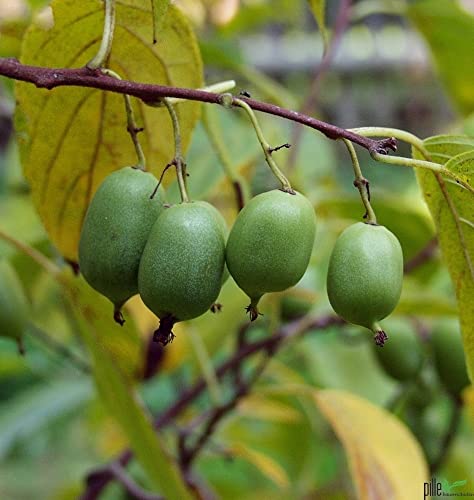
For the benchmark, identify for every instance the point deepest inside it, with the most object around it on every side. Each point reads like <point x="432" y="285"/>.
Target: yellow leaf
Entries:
<point x="71" y="138"/>
<point x="386" y="461"/>
<point x="263" y="463"/>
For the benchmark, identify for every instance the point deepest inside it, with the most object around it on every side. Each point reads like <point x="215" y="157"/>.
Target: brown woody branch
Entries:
<point x="50" y="78"/>
<point x="99" y="478"/>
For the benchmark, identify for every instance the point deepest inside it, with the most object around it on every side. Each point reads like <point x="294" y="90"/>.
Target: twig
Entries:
<point x="131" y="487"/>
<point x="343" y="18"/>
<point x="50" y="78"/>
<point x="422" y="256"/>
<point x="98" y="479"/>
<point x="189" y="454"/>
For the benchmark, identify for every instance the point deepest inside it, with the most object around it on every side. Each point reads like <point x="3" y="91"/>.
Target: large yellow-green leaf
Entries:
<point x="71" y="138"/>
<point x="385" y="460"/>
<point x="449" y="31"/>
<point x="123" y="345"/>
<point x="452" y="208"/>
<point x="121" y="400"/>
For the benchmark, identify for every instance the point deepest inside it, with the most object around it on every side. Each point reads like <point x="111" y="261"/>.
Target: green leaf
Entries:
<point x="124" y="405"/>
<point x="71" y="138"/>
<point x="449" y="31"/>
<point x="452" y="209"/>
<point x="123" y="345"/>
<point x="265" y="464"/>
<point x="385" y="459"/>
<point x="318" y="8"/>
<point x="35" y="408"/>
<point x="25" y="225"/>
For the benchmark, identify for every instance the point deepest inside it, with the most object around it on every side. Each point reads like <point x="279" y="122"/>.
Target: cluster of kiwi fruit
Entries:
<point x="177" y="256"/>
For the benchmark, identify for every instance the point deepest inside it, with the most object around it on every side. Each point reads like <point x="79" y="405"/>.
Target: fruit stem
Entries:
<point x="213" y="132"/>
<point x="178" y="161"/>
<point x="380" y="337"/>
<point x="107" y="37"/>
<point x="267" y="149"/>
<point x="362" y="184"/>
<point x="132" y="127"/>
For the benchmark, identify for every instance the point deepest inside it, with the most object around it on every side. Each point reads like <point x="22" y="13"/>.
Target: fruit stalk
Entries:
<point x="362" y="184"/>
<point x="178" y="161"/>
<point x="132" y="127"/>
<point x="267" y="149"/>
<point x="107" y="37"/>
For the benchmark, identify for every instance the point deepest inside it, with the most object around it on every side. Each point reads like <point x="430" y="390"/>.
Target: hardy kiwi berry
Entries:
<point x="181" y="269"/>
<point x="115" y="231"/>
<point x="270" y="244"/>
<point x="365" y="276"/>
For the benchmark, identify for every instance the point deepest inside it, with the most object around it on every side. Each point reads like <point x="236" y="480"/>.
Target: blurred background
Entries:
<point x="392" y="63"/>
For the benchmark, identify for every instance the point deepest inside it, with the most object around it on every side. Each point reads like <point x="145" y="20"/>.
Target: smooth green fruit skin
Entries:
<point x="365" y="274"/>
<point x="14" y="309"/>
<point x="181" y="268"/>
<point x="270" y="244"/>
<point x="402" y="356"/>
<point x="115" y="231"/>
<point x="448" y="355"/>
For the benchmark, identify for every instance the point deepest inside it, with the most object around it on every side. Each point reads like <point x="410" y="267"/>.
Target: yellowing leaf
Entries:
<point x="452" y="208"/>
<point x="262" y="408"/>
<point x="122" y="344"/>
<point x="449" y="31"/>
<point x="318" y="8"/>
<point x="386" y="461"/>
<point x="71" y="138"/>
<point x="263" y="463"/>
<point x="124" y="405"/>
